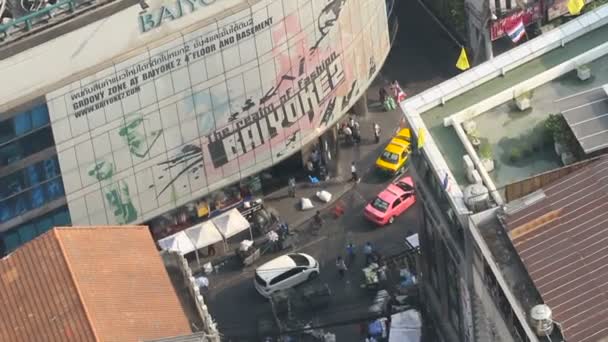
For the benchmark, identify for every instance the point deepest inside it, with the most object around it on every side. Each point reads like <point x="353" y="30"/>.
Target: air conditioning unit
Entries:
<point x="541" y="320"/>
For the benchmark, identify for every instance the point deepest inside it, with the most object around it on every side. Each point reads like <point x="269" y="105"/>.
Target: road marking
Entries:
<point x="317" y="240"/>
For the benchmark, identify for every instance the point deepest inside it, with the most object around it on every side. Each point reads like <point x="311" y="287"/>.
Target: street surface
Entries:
<point x="421" y="57"/>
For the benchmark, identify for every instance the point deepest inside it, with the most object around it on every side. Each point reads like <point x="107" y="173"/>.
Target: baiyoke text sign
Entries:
<point x="171" y="11"/>
<point x="530" y="15"/>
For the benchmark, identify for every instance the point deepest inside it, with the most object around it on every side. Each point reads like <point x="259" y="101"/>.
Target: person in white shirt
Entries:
<point x="377" y="132"/>
<point x="353" y="171"/>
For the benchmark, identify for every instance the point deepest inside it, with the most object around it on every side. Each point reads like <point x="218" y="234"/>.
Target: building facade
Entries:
<point x="143" y="112"/>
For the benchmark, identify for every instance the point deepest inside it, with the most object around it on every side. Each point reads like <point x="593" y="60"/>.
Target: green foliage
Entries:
<point x="515" y="154"/>
<point x="485" y="151"/>
<point x="562" y="134"/>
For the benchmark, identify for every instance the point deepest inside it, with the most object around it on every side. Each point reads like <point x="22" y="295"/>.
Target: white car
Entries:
<point x="285" y="272"/>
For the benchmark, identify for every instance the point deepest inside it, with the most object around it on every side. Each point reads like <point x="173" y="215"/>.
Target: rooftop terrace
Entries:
<point x="446" y="138"/>
<point x="509" y="130"/>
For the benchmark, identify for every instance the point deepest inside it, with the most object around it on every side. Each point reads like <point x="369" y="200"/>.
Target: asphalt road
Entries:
<point x="233" y="290"/>
<point x="421" y="57"/>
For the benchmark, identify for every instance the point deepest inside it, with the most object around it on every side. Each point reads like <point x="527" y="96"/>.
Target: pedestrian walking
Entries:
<point x="292" y="186"/>
<point x="356" y="133"/>
<point x="318" y="220"/>
<point x="348" y="133"/>
<point x="351" y="122"/>
<point x="341" y="265"/>
<point x="350" y="251"/>
<point x="368" y="251"/>
<point x="353" y="171"/>
<point x="376" y="132"/>
<point x="382" y="94"/>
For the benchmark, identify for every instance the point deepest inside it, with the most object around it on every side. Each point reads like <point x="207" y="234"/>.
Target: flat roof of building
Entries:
<point x="445" y="137"/>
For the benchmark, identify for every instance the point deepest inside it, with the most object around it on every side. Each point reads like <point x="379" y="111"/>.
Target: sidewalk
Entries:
<point x="364" y="155"/>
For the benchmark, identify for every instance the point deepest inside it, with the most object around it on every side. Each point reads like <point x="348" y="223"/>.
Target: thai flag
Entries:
<point x="517" y="31"/>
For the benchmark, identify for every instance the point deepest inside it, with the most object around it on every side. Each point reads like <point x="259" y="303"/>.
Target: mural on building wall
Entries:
<point x="190" y="130"/>
<point x="116" y="192"/>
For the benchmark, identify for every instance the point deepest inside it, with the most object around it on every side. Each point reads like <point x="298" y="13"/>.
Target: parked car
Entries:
<point x="395" y="154"/>
<point x="285" y="272"/>
<point x="391" y="202"/>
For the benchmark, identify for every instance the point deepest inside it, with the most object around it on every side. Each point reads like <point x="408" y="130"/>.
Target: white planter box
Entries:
<point x="583" y="73"/>
<point x="522" y="103"/>
<point x="488" y="164"/>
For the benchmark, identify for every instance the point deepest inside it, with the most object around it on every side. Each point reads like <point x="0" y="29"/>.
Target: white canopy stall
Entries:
<point x="231" y="223"/>
<point x="203" y="235"/>
<point x="206" y="233"/>
<point x="178" y="242"/>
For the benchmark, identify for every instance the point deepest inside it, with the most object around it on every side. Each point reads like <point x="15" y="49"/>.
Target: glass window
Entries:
<point x="397" y="202"/>
<point x="37" y="196"/>
<point x="21" y="203"/>
<point x="37" y="141"/>
<point x="40" y="116"/>
<point x="6" y="131"/>
<point x="12" y="184"/>
<point x="22" y="123"/>
<point x="27" y="232"/>
<point x="380" y="204"/>
<point x="44" y="224"/>
<point x="26" y="146"/>
<point x="285" y="276"/>
<point x="11" y="241"/>
<point x="34" y="176"/>
<point x="54" y="189"/>
<point x="51" y="168"/>
<point x="260" y="281"/>
<point x="6" y="211"/>
<point x="10" y="153"/>
<point x="299" y="259"/>
<point x="390" y="157"/>
<point x="61" y="218"/>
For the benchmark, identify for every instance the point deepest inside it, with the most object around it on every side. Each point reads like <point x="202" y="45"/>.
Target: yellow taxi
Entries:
<point x="395" y="154"/>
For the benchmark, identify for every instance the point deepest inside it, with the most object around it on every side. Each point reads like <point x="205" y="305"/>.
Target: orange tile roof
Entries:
<point x="88" y="284"/>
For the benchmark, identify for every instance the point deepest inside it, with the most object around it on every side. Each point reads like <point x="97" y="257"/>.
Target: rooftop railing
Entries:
<point x="47" y="16"/>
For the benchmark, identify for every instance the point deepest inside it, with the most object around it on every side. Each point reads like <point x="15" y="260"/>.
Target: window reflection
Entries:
<point x="16" y="237"/>
<point x="30" y="188"/>
<point x="26" y="146"/>
<point x="24" y="122"/>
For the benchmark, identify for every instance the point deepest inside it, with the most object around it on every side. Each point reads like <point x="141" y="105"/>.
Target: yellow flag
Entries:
<point x="463" y="61"/>
<point x="420" y="138"/>
<point x="575" y="6"/>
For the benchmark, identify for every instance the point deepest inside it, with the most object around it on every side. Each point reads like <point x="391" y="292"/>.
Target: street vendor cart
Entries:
<point x="373" y="275"/>
<point x="247" y="253"/>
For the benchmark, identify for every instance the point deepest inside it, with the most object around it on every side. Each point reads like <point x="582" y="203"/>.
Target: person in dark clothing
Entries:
<point x="292" y="186"/>
<point x="341" y="265"/>
<point x="382" y="94"/>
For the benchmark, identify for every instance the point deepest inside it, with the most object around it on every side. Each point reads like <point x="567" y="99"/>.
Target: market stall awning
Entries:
<point x="204" y="234"/>
<point x="178" y="242"/>
<point x="230" y="223"/>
